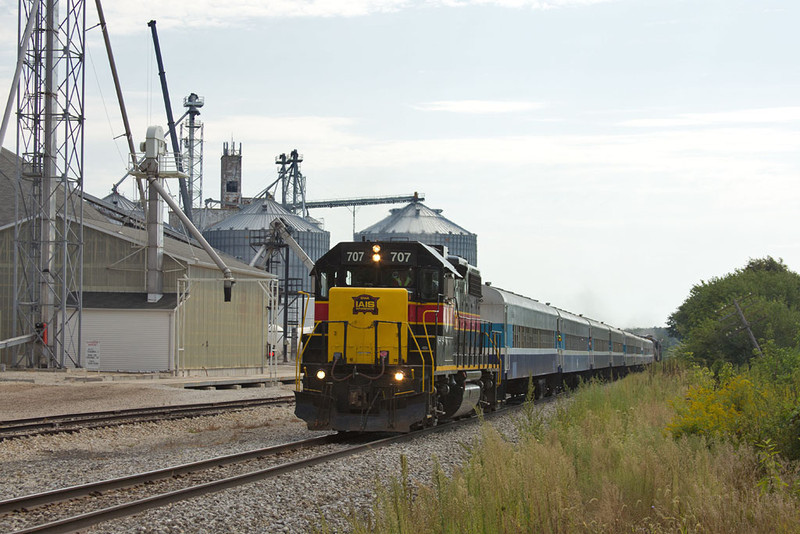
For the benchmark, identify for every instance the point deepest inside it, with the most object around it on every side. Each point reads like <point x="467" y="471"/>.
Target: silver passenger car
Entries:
<point x="536" y="340"/>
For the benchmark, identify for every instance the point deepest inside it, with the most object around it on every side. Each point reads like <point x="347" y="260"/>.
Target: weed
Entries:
<point x="531" y="423"/>
<point x="768" y="459"/>
<point x="603" y="463"/>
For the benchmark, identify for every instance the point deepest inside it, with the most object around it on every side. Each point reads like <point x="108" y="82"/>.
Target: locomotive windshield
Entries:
<point x="406" y="265"/>
<point x="425" y="281"/>
<point x="371" y="276"/>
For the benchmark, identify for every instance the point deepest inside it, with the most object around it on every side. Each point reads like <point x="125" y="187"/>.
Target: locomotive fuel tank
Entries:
<point x="461" y="400"/>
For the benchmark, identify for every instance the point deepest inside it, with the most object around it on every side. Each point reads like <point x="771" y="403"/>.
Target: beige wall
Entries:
<point x="218" y="335"/>
<point x="112" y="264"/>
<point x="223" y="335"/>
<point x="6" y="287"/>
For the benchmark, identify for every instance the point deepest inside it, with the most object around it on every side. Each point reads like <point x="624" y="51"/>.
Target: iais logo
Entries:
<point x="365" y="304"/>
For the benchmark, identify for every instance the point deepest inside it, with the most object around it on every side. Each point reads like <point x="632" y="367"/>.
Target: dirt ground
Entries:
<point x="26" y="394"/>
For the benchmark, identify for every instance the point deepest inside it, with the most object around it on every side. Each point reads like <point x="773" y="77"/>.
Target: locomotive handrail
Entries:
<point x="302" y="325"/>
<point x="465" y="337"/>
<point x="302" y="353"/>
<point x="422" y="355"/>
<point x="300" y="357"/>
<point x="497" y="355"/>
<point x="399" y="338"/>
<point x="427" y="338"/>
<point x="344" y="339"/>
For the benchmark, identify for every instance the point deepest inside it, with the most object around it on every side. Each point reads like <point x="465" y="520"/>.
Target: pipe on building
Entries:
<point x="154" y="148"/>
<point x="19" y="340"/>
<point x="280" y="227"/>
<point x="226" y="271"/>
<point x="258" y="255"/>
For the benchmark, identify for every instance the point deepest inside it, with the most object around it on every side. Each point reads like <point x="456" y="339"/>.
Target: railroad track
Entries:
<point x="121" y="497"/>
<point x="127" y="492"/>
<point x="56" y="424"/>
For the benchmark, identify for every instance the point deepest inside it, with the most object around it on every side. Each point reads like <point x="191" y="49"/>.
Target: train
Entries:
<point x="406" y="336"/>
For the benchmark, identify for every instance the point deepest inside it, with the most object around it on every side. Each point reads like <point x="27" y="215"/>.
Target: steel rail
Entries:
<point x="16" y="428"/>
<point x="83" y="521"/>
<point x="63" y="494"/>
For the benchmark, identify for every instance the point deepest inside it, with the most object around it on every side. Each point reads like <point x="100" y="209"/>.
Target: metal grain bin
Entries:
<point x="238" y="234"/>
<point x="418" y="222"/>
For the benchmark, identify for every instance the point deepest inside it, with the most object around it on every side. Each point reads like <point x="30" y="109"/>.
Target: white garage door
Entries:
<point x="128" y="340"/>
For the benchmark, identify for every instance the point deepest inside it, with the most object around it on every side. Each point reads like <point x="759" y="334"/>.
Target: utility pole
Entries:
<point x="746" y="326"/>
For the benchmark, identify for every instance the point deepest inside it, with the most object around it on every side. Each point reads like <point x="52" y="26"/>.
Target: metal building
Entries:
<point x="190" y="330"/>
<point x="418" y="222"/>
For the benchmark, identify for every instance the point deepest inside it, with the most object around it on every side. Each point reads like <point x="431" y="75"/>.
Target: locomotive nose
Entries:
<point x="368" y="324"/>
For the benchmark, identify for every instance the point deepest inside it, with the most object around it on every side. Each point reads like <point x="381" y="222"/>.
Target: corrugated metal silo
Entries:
<point x="418" y="222"/>
<point x="125" y="205"/>
<point x="237" y="234"/>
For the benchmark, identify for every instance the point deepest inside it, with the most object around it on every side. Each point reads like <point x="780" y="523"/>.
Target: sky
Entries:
<point x="609" y="154"/>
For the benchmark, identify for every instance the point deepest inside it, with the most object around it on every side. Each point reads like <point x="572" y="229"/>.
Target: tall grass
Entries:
<point x="604" y="463"/>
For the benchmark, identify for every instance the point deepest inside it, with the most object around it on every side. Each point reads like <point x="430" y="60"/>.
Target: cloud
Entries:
<point x="744" y="116"/>
<point x="307" y="130"/>
<point x="127" y="17"/>
<point x="518" y="4"/>
<point x="479" y="106"/>
<point x="687" y="152"/>
<point x="336" y="143"/>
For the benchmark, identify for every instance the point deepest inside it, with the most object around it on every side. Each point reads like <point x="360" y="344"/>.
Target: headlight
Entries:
<point x="376" y="248"/>
<point x="399" y="376"/>
<point x="376" y="257"/>
<point x="321" y="374"/>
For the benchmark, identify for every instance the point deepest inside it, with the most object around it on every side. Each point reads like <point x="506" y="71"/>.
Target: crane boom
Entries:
<point x="185" y="197"/>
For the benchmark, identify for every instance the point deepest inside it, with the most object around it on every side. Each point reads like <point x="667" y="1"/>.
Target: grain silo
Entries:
<point x="418" y="222"/>
<point x="241" y="234"/>
<point x="125" y="205"/>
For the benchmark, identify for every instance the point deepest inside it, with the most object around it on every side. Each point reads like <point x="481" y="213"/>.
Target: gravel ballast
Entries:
<point x="293" y="502"/>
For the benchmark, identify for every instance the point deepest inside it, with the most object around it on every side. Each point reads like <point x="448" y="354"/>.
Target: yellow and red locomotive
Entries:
<point x="397" y="343"/>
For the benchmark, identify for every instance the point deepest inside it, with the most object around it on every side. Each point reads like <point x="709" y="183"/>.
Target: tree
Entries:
<point x="709" y="327"/>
